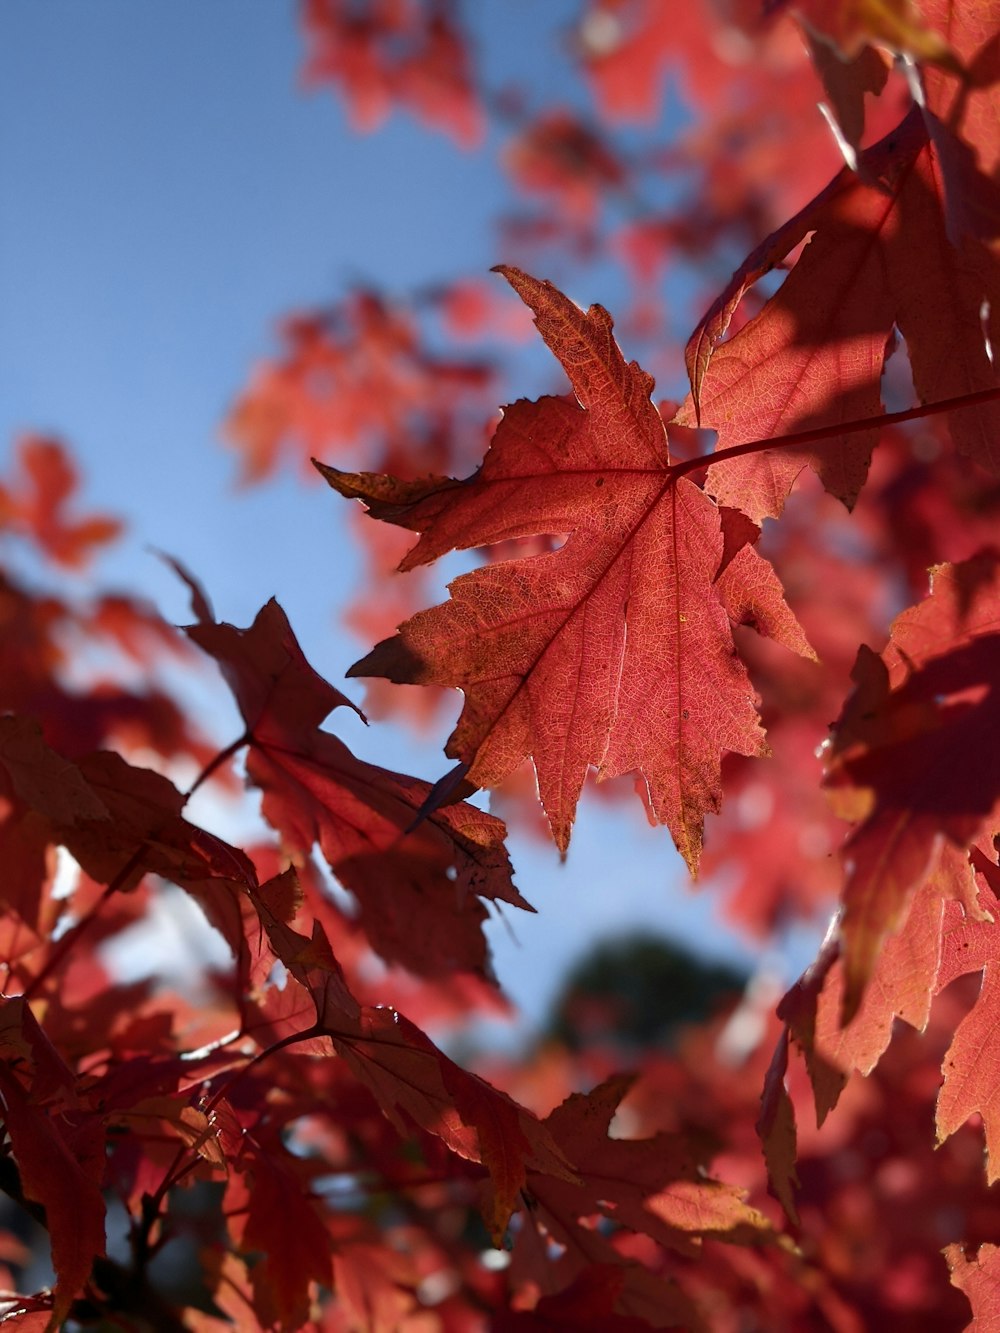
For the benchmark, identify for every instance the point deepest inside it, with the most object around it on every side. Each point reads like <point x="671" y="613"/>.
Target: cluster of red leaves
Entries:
<point x="130" y="1090"/>
<point x="290" y="1127"/>
<point x="394" y="51"/>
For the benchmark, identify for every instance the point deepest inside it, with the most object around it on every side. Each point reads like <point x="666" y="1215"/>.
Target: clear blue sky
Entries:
<point x="168" y="194"/>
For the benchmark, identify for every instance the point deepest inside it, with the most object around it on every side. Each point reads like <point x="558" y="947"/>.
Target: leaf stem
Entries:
<point x="67" y="941"/>
<point x="73" y="935"/>
<point x="214" y="764"/>
<point x="178" y="1167"/>
<point x="817" y="434"/>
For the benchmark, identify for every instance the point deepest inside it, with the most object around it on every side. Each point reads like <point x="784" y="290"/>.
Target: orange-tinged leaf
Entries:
<point x="897" y="24"/>
<point x="972" y="1072"/>
<point x="906" y="975"/>
<point x="750" y="590"/>
<point x="902" y="985"/>
<point x="614" y="650"/>
<point x="503" y="1147"/>
<point x="364" y="1281"/>
<point x="979" y="1278"/>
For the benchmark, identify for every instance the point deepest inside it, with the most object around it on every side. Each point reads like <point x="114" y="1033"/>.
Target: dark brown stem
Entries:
<point x="216" y="763"/>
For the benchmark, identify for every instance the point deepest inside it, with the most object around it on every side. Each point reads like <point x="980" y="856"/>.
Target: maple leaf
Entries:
<point x="284" y="1228"/>
<point x="43" y="779"/>
<point x="971" y="1084"/>
<point x="655" y="1186"/>
<point x="909" y="970"/>
<point x="915" y="757"/>
<point x="615" y="649"/>
<point x="814" y="355"/>
<point x="389" y="53"/>
<point x="147" y="831"/>
<point x="979" y="1278"/>
<point x="776" y="1130"/>
<point x="356" y="374"/>
<point x="36" y="786"/>
<point x="560" y="157"/>
<point x="60" y="1157"/>
<point x="586" y="1305"/>
<point x="407" y="1073"/>
<point x="898" y="24"/>
<point x="419" y="886"/>
<point x="363" y="1278"/>
<point x="901" y="986"/>
<point x="309" y="959"/>
<point x="38" y="501"/>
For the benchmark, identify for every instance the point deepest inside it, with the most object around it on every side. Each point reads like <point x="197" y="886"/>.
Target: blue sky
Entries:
<point x="169" y="193"/>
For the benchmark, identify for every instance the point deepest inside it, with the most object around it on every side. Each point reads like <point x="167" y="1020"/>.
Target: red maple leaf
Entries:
<point x="616" y="649"/>
<point x="419" y="884"/>
<point x="814" y="355"/>
<point x="414" y="1082"/>
<point x="388" y="52"/>
<point x="915" y="757"/>
<point x="587" y="1305"/>
<point x="285" y="1230"/>
<point x="59" y="1149"/>
<point x="656" y="1186"/>
<point x="39" y="498"/>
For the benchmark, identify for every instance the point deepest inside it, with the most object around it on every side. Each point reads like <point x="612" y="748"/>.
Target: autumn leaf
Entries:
<point x="37" y="786"/>
<point x="309" y="959"/>
<point x="911" y="967"/>
<point x="413" y="1081"/>
<point x="284" y="1228"/>
<point x="814" y="356"/>
<point x="364" y="1278"/>
<point x="587" y="1305"/>
<point x="776" y="1130"/>
<point x="655" y="1186"/>
<point x="60" y="1159"/>
<point x="419" y="884"/>
<point x="902" y="986"/>
<point x="614" y="650"/>
<point x="392" y="55"/>
<point x="37" y="503"/>
<point x="971" y="1083"/>
<point x="915" y="757"/>
<point x="314" y="1157"/>
<point x="979" y="1278"/>
<point x="897" y="24"/>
